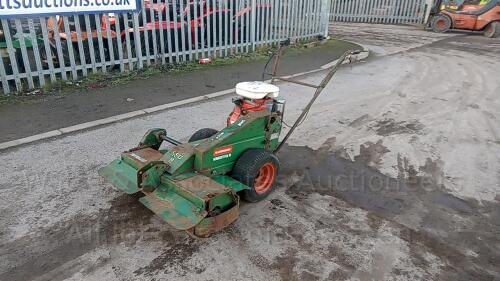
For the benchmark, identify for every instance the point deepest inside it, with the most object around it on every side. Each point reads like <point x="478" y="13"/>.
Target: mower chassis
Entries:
<point x="187" y="185"/>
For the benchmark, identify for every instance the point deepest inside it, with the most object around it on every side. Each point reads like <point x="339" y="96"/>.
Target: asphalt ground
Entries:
<point x="394" y="175"/>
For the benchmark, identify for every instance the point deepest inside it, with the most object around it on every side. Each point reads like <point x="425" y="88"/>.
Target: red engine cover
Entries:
<point x="246" y="106"/>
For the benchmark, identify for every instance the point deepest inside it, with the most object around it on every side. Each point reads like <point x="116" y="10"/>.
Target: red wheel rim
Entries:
<point x="265" y="178"/>
<point x="441" y="24"/>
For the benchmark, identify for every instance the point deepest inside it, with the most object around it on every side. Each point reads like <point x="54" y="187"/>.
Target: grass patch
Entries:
<point x="116" y="78"/>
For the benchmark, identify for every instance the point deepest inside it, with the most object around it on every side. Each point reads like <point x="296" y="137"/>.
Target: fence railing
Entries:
<point x="379" y="11"/>
<point x="37" y="51"/>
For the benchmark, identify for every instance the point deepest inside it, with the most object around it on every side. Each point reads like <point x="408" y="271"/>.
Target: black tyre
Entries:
<point x="256" y="168"/>
<point x="440" y="23"/>
<point x="492" y="30"/>
<point x="202" y="134"/>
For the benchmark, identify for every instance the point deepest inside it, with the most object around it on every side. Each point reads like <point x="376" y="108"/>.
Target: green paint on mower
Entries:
<point x="190" y="185"/>
<point x="196" y="186"/>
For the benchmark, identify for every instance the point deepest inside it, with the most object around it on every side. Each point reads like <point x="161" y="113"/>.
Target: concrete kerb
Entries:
<point x="138" y="113"/>
<point x="361" y="56"/>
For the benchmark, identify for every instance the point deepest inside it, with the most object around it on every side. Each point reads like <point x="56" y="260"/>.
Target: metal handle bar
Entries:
<point x="319" y="89"/>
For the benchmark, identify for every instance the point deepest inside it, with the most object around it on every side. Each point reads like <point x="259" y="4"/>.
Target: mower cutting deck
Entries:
<point x="196" y="186"/>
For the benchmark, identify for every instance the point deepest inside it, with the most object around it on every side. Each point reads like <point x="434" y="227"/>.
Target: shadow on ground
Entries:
<point x="462" y="233"/>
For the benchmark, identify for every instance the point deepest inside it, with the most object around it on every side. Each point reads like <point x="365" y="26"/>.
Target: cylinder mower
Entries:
<point x="196" y="186"/>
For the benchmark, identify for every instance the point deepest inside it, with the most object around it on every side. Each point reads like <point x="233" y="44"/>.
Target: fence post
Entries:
<point x="253" y="23"/>
<point x="325" y="9"/>
<point x="428" y="5"/>
<point x="3" y="76"/>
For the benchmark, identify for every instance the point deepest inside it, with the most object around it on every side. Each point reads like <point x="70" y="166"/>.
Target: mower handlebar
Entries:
<point x="319" y="89"/>
<point x="340" y="61"/>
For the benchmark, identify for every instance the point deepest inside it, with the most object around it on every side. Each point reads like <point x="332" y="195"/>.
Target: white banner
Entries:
<point x="29" y="8"/>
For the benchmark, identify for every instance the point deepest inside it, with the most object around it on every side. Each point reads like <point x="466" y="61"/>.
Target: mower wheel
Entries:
<point x="202" y="134"/>
<point x="256" y="168"/>
<point x="492" y="30"/>
<point x="441" y="23"/>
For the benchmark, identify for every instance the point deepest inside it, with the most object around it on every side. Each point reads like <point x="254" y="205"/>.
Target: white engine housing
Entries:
<point x="257" y="90"/>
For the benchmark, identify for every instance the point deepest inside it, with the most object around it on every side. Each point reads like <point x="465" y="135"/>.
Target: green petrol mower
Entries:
<point x="196" y="186"/>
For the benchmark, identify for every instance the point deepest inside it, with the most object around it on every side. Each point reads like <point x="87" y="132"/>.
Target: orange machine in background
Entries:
<point x="468" y="16"/>
<point x="74" y="23"/>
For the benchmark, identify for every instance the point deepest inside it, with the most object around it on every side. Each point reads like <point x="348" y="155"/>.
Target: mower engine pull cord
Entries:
<point x="266" y="65"/>
<point x="319" y="88"/>
<point x="278" y="55"/>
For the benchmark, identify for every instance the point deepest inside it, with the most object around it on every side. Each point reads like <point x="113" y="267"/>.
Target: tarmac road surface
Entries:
<point x="395" y="175"/>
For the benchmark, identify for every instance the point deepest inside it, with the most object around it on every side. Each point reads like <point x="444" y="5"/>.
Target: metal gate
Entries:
<point x="379" y="11"/>
<point x="37" y="51"/>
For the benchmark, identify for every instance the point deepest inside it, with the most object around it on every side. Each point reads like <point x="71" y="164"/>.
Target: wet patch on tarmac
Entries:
<point x="371" y="153"/>
<point x="360" y="121"/>
<point x="173" y="259"/>
<point x="45" y="254"/>
<point x="464" y="234"/>
<point x="390" y="126"/>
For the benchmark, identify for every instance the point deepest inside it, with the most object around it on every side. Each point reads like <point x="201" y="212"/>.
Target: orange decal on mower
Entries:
<point x="223" y="150"/>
